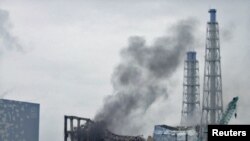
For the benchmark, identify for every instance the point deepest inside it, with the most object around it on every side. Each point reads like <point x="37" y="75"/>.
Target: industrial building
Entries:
<point x="84" y="129"/>
<point x="19" y="121"/>
<point x="193" y="121"/>
<point x="168" y="133"/>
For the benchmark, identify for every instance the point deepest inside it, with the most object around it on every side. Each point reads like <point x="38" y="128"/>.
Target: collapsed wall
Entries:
<point x="84" y="129"/>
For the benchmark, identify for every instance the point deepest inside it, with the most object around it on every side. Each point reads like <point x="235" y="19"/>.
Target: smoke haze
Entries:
<point x="7" y="40"/>
<point x="141" y="77"/>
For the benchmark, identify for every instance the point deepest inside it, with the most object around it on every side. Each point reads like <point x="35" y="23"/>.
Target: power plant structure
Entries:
<point x="84" y="129"/>
<point x="191" y="91"/>
<point x="179" y="133"/>
<point x="190" y="114"/>
<point x="212" y="103"/>
<point x="194" y="117"/>
<point x="193" y="121"/>
<point x="19" y="121"/>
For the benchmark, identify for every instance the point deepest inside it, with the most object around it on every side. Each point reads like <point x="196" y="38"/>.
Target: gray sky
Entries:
<point x="70" y="48"/>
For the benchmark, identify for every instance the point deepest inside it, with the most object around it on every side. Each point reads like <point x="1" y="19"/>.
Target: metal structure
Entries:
<point x="71" y="132"/>
<point x="212" y="106"/>
<point x="231" y="109"/>
<point x="191" y="91"/>
<point x="84" y="129"/>
<point x="19" y="121"/>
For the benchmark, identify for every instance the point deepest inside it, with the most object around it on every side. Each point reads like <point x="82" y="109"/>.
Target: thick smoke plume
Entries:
<point x="140" y="79"/>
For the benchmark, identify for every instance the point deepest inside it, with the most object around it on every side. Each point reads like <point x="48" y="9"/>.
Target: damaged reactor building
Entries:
<point x="83" y="129"/>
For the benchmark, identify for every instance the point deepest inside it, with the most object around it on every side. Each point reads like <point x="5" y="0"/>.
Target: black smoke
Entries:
<point x="140" y="79"/>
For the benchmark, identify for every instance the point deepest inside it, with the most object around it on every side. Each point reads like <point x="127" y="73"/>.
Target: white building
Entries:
<point x="168" y="133"/>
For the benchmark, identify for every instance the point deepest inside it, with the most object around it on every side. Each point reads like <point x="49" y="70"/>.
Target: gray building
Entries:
<point x="19" y="121"/>
<point x="169" y="133"/>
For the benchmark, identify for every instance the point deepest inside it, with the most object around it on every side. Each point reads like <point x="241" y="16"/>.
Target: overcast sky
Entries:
<point x="65" y="52"/>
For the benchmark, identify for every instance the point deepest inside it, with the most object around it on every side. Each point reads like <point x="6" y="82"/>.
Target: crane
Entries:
<point x="227" y="115"/>
<point x="231" y="109"/>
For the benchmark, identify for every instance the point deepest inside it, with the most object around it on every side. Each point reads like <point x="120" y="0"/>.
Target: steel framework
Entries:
<point x="71" y="132"/>
<point x="212" y="104"/>
<point x="84" y="129"/>
<point x="191" y="91"/>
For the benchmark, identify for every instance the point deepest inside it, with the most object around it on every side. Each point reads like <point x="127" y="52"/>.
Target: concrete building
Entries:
<point x="19" y="121"/>
<point x="168" y="133"/>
